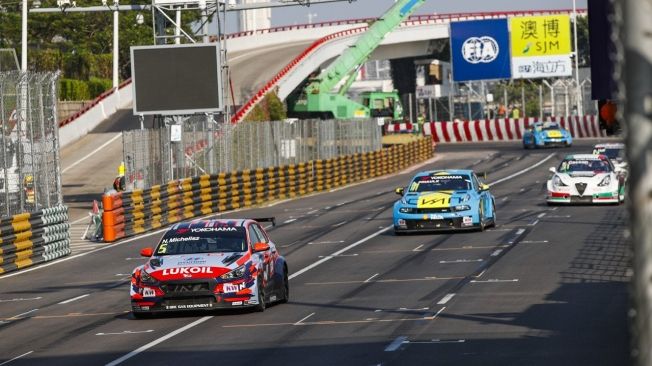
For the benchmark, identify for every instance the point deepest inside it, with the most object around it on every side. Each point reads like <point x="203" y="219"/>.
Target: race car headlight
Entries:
<point x="605" y="181"/>
<point x="145" y="277"/>
<point x="236" y="273"/>
<point x="556" y="181"/>
<point x="462" y="208"/>
<point x="407" y="210"/>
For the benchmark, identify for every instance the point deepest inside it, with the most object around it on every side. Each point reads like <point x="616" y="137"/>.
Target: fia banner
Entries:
<point x="541" y="46"/>
<point x="480" y="50"/>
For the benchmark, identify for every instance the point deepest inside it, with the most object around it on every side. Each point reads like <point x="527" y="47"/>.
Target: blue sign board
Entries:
<point x="480" y="50"/>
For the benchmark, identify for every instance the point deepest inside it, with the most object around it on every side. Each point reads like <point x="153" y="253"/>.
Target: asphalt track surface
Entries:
<point x="547" y="286"/>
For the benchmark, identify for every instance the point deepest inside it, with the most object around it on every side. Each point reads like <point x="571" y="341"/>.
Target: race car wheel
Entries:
<point x="261" y="296"/>
<point x="567" y="144"/>
<point x="483" y="226"/>
<point x="493" y="217"/>
<point x="286" y="288"/>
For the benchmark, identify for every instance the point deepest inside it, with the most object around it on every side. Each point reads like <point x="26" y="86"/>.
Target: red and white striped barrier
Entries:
<point x="506" y="129"/>
<point x="399" y="127"/>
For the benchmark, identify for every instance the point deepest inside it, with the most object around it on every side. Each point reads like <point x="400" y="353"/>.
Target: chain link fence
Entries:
<point x="192" y="146"/>
<point x="29" y="149"/>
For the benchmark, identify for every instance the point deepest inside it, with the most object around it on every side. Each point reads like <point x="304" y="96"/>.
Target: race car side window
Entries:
<point x="476" y="183"/>
<point x="260" y="233"/>
<point x="253" y="235"/>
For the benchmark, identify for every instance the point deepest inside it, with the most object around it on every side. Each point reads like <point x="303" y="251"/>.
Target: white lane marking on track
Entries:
<point x="493" y="280"/>
<point x="418" y="249"/>
<point x="157" y="341"/>
<point x="304" y="318"/>
<point x="481" y="273"/>
<point x="326" y="242"/>
<point x="533" y="223"/>
<point x="437" y="341"/>
<point x="446" y="299"/>
<point x="22" y="299"/>
<point x="504" y="199"/>
<point x="340" y="224"/>
<point x="21" y="314"/>
<point x="73" y="299"/>
<point x="343" y="250"/>
<point x="289" y="221"/>
<point x="398" y="342"/>
<point x="126" y="332"/>
<point x="461" y="261"/>
<point x="541" y="215"/>
<point x="91" y="153"/>
<point x="311" y="212"/>
<point x="435" y="315"/>
<point x="372" y="277"/>
<point x="533" y="241"/>
<point x="339" y="255"/>
<point x="134" y="259"/>
<point x="17" y="357"/>
<point x="496" y="252"/>
<point x="523" y="171"/>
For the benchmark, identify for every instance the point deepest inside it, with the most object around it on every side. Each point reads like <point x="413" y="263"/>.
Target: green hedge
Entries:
<point x="71" y="89"/>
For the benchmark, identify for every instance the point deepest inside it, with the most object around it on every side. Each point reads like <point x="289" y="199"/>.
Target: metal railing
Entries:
<point x="30" y="177"/>
<point x="197" y="145"/>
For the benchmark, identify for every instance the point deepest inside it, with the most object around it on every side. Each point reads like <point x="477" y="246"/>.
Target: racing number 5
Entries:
<point x="162" y="248"/>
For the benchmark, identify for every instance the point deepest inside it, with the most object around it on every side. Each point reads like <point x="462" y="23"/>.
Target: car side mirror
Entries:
<point x="400" y="191"/>
<point x="484" y="187"/>
<point x="261" y="247"/>
<point x="553" y="169"/>
<point x="146" y="252"/>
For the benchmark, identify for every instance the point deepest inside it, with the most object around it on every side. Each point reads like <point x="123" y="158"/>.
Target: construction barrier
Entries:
<point x="139" y="211"/>
<point x="31" y="238"/>
<point x="503" y="129"/>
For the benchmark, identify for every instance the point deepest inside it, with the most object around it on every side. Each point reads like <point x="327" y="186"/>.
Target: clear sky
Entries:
<point x="374" y="8"/>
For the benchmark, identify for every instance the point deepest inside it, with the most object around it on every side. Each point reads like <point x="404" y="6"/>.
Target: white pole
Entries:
<point x="116" y="36"/>
<point x="177" y="28"/>
<point x="23" y="52"/>
<point x="578" y="88"/>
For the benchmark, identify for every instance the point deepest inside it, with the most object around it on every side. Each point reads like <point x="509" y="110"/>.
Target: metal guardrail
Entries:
<point x="130" y="213"/>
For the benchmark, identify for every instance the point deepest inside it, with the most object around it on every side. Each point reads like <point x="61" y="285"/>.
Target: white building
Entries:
<point x="252" y="20"/>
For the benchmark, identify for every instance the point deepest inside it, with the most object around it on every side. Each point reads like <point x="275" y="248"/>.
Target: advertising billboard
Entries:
<point x="480" y="50"/>
<point x="176" y="79"/>
<point x="541" y="46"/>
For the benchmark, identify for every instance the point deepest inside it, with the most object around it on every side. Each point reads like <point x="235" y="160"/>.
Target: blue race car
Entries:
<point x="542" y="134"/>
<point x="444" y="200"/>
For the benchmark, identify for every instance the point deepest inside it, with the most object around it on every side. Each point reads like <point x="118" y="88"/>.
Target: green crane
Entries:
<point x="316" y="99"/>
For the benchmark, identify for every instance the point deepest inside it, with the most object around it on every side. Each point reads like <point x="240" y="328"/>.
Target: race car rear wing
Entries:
<point x="266" y="219"/>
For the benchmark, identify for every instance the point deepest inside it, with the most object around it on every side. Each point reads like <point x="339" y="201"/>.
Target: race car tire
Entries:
<point x="493" y="217"/>
<point x="260" y="307"/>
<point x="398" y="233"/>
<point x="286" y="288"/>
<point x="567" y="144"/>
<point x="483" y="226"/>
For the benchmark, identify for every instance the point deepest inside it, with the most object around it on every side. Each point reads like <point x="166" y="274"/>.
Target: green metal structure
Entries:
<point x="317" y="101"/>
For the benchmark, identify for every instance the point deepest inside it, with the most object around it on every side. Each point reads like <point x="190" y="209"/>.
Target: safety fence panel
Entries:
<point x="504" y="129"/>
<point x="139" y="211"/>
<point x="30" y="178"/>
<point x="30" y="238"/>
<point x="201" y="146"/>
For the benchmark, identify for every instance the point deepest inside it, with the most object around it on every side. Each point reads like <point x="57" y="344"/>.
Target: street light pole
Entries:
<point x="116" y="36"/>
<point x="23" y="51"/>
<point x="578" y="90"/>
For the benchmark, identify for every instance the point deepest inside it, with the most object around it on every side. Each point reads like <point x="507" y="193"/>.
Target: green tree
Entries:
<point x="79" y="44"/>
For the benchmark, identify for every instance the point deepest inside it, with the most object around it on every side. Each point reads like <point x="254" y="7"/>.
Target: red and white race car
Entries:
<point x="210" y="264"/>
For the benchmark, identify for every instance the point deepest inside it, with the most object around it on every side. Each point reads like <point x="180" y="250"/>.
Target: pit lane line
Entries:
<point x="305" y="269"/>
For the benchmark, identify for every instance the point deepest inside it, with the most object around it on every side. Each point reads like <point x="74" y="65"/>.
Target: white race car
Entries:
<point x="616" y="153"/>
<point x="585" y="178"/>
